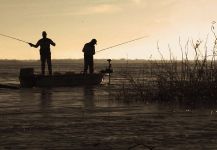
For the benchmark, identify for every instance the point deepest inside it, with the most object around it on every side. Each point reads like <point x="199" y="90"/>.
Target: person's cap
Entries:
<point x="44" y="33"/>
<point x="94" y="41"/>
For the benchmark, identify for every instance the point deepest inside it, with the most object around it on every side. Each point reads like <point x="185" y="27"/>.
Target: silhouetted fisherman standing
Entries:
<point x="89" y="51"/>
<point x="45" y="53"/>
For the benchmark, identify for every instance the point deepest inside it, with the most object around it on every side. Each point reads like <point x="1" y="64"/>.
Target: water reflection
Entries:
<point x="45" y="98"/>
<point x="88" y="97"/>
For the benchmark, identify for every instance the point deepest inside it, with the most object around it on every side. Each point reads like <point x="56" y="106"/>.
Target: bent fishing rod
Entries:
<point x="96" y="51"/>
<point x="13" y="38"/>
<point x="121" y="44"/>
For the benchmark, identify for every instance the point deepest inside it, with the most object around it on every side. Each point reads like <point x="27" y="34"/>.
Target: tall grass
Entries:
<point x="175" y="80"/>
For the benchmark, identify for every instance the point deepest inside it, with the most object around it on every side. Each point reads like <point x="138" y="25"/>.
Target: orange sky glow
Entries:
<point x="71" y="23"/>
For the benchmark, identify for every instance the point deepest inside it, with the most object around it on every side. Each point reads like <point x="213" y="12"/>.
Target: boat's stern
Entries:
<point x="26" y="77"/>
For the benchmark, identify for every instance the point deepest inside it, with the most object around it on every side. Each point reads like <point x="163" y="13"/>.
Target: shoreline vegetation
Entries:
<point x="190" y="82"/>
<point x="185" y="81"/>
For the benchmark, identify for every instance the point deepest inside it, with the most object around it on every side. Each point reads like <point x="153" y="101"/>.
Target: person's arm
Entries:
<point x="35" y="45"/>
<point x="52" y="43"/>
<point x="93" y="50"/>
<point x="84" y="48"/>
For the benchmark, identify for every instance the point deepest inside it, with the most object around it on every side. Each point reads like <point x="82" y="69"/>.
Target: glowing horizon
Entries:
<point x="70" y="24"/>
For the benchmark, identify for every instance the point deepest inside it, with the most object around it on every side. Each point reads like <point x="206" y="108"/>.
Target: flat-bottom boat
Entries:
<point x="28" y="79"/>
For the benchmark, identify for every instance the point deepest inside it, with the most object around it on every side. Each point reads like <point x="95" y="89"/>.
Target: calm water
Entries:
<point x="90" y="117"/>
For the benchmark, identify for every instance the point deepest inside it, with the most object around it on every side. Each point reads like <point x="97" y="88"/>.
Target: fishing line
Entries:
<point x="122" y="43"/>
<point x="13" y="38"/>
<point x="96" y="51"/>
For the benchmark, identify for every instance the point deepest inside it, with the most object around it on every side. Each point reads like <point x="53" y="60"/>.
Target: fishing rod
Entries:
<point x="121" y="44"/>
<point x="13" y="38"/>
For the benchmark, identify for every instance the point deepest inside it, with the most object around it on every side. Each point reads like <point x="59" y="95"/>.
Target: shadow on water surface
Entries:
<point x="88" y="93"/>
<point x="45" y="98"/>
<point x="92" y="98"/>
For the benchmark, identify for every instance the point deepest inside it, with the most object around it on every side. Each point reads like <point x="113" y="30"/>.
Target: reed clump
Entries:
<point x="175" y="80"/>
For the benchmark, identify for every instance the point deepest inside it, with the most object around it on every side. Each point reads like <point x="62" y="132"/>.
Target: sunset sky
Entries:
<point x="72" y="23"/>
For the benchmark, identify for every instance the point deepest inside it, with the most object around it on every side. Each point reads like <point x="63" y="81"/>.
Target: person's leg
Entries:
<point x="43" y="59"/>
<point x="49" y="64"/>
<point x="85" y="64"/>
<point x="91" y="70"/>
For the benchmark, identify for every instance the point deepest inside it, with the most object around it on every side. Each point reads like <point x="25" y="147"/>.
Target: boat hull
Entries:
<point x="60" y="80"/>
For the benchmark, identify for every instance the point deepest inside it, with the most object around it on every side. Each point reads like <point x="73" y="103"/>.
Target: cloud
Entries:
<point x="98" y="9"/>
<point x="80" y="10"/>
<point x="137" y="1"/>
